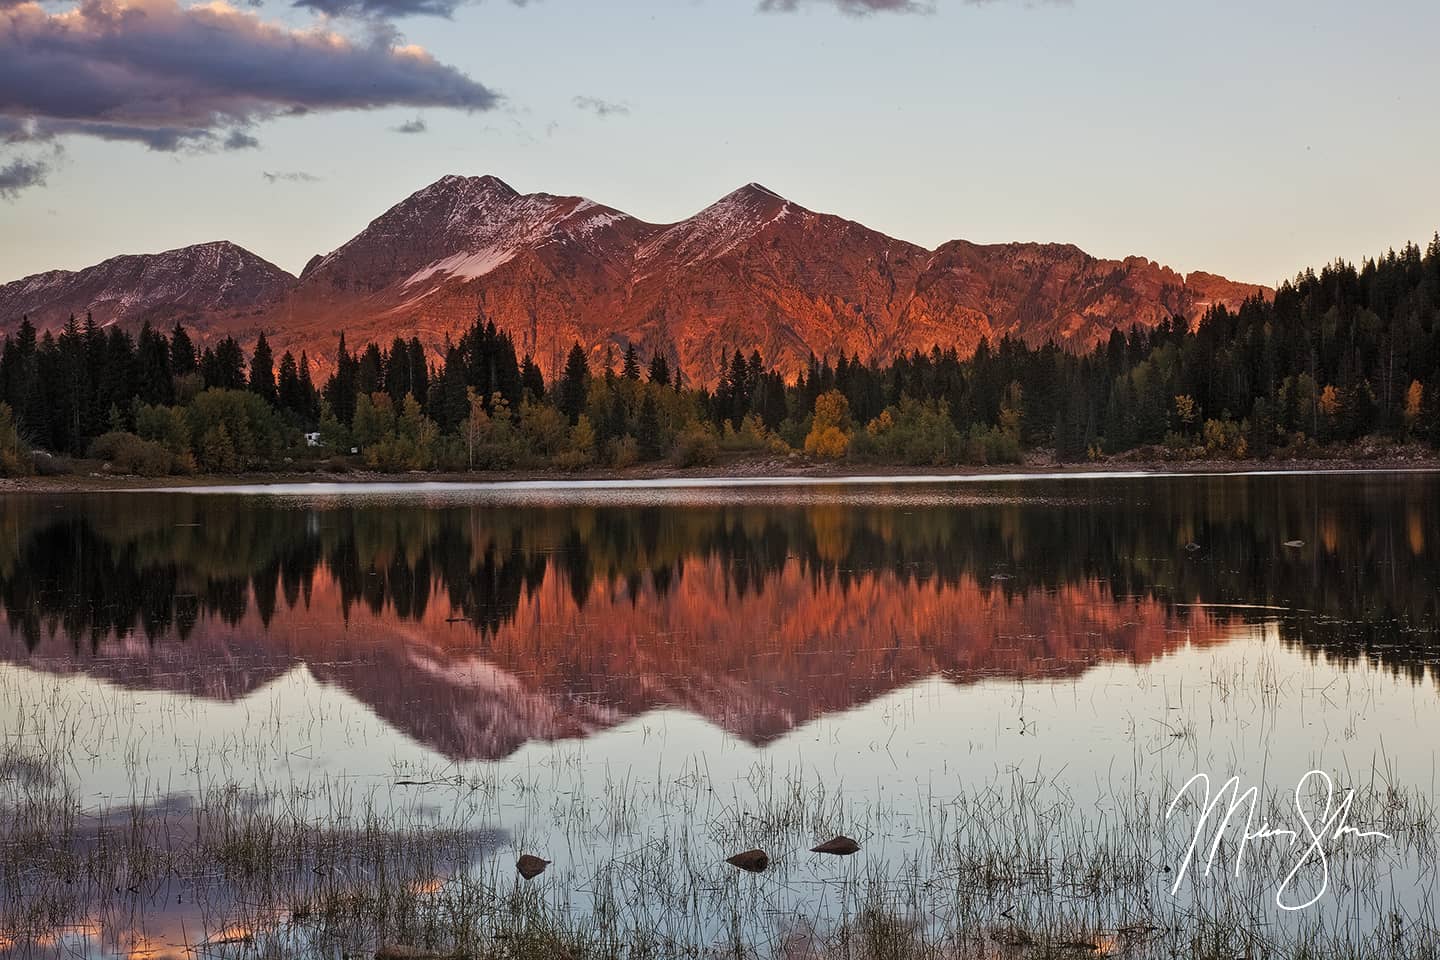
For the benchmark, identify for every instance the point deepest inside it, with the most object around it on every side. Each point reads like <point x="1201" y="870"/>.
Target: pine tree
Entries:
<point x="289" y="396"/>
<point x="311" y="409"/>
<point x="117" y="382"/>
<point x="156" y="383"/>
<point x="370" y="371"/>
<point x="648" y="429"/>
<point x="262" y="371"/>
<point x="739" y="397"/>
<point x="70" y="410"/>
<point x="419" y="370"/>
<point x="659" y="369"/>
<point x="574" y="384"/>
<point x="631" y="368"/>
<point x="229" y="366"/>
<point x="340" y="389"/>
<point x="531" y="380"/>
<point x="450" y="405"/>
<point x="398" y="380"/>
<point x="182" y="353"/>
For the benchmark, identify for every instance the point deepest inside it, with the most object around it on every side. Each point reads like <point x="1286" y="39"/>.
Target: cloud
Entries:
<point x="857" y="8"/>
<point x="240" y="140"/>
<point x="411" y="126"/>
<point x="172" y="77"/>
<point x="382" y="9"/>
<point x="864" y="8"/>
<point x="386" y="9"/>
<point x="602" y="108"/>
<point x="21" y="174"/>
<point x="294" y="176"/>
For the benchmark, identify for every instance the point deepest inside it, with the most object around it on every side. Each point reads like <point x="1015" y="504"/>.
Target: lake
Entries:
<point x="315" y="720"/>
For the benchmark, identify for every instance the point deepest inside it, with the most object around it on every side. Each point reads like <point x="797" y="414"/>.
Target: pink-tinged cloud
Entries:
<point x="172" y="76"/>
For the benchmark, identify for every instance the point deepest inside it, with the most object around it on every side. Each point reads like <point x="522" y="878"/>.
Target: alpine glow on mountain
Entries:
<point x="752" y="271"/>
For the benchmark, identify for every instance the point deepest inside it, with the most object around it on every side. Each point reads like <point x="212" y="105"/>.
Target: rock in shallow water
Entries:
<point x="753" y="861"/>
<point x="841" y="846"/>
<point x="531" y="867"/>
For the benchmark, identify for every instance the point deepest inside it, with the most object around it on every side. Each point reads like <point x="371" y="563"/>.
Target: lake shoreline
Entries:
<point x="740" y="468"/>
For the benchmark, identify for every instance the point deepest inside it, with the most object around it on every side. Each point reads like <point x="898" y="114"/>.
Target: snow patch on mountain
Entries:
<point x="494" y="230"/>
<point x="466" y="265"/>
<point x="721" y="227"/>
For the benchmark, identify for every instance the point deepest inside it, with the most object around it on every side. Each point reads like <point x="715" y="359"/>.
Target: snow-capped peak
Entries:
<point x="722" y="226"/>
<point x="454" y="183"/>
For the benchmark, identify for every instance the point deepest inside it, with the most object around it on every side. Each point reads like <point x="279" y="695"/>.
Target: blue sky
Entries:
<point x="1247" y="139"/>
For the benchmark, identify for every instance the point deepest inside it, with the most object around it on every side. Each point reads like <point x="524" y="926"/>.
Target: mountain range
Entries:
<point x="752" y="271"/>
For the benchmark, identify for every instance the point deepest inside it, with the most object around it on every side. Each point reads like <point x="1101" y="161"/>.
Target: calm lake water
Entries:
<point x="670" y="674"/>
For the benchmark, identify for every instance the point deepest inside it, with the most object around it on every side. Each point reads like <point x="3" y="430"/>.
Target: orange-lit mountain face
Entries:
<point x="757" y="665"/>
<point x="752" y="271"/>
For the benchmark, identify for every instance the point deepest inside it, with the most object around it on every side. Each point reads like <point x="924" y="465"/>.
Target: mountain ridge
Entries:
<point x="751" y="271"/>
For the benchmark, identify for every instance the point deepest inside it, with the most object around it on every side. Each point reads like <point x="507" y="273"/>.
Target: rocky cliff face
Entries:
<point x="751" y="271"/>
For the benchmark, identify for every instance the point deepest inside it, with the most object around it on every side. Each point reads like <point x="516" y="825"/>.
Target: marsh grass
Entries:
<point x="1010" y="870"/>
<point x="229" y="864"/>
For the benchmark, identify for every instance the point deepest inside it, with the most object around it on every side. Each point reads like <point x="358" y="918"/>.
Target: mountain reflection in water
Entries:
<point x="476" y="628"/>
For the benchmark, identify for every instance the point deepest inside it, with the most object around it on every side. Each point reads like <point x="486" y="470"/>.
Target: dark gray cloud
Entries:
<point x="602" y="108"/>
<point x="864" y="8"/>
<point x="387" y="9"/>
<point x="856" y="8"/>
<point x="411" y="126"/>
<point x="293" y="176"/>
<point x="21" y="174"/>
<point x="173" y="77"/>
<point x="240" y="140"/>
<point x="382" y="9"/>
<point x="44" y="129"/>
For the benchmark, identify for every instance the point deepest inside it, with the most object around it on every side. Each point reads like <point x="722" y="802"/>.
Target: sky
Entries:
<point x="1248" y="139"/>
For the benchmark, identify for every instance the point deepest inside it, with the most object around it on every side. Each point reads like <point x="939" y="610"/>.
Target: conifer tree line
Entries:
<point x="1334" y="357"/>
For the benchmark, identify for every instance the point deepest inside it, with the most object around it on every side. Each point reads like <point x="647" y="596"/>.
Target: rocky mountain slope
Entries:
<point x="199" y="284"/>
<point x="751" y="271"/>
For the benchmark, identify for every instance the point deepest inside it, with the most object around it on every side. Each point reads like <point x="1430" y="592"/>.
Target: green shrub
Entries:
<point x="752" y="437"/>
<point x="544" y="429"/>
<point x="49" y="465"/>
<point x="625" y="452"/>
<point x="580" y="451"/>
<point x="15" y="458"/>
<point x="237" y="419"/>
<point x="987" y="445"/>
<point x="695" y="446"/>
<point x="127" y="453"/>
<point x="912" y="432"/>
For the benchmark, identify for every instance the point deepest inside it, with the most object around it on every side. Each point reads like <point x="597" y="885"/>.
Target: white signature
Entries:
<point x="1331" y="825"/>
